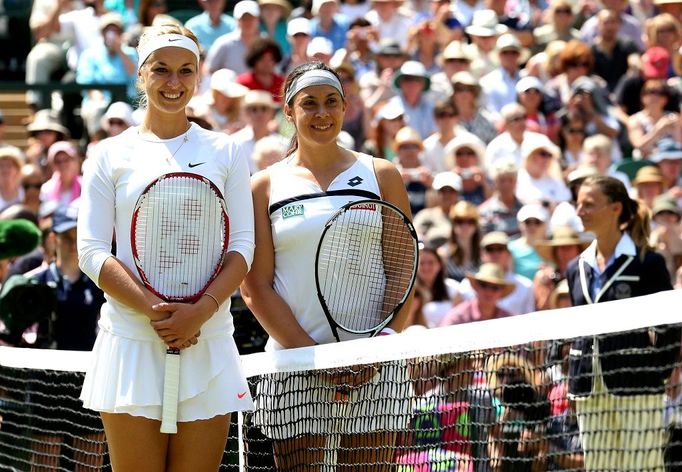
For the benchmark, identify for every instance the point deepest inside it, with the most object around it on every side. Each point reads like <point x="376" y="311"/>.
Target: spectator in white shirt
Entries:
<point x="510" y="141"/>
<point x="390" y="21"/>
<point x="539" y="179"/>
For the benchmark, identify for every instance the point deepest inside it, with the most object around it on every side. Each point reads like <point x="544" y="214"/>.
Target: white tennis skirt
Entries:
<point x="294" y="404"/>
<point x="126" y="376"/>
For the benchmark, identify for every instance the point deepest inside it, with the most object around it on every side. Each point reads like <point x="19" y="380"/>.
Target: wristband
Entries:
<point x="386" y="332"/>
<point x="206" y="294"/>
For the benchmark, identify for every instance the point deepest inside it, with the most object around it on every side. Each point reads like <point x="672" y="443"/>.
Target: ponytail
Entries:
<point x="638" y="226"/>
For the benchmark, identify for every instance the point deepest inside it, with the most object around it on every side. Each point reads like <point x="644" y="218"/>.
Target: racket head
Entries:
<point x="365" y="265"/>
<point x="179" y="234"/>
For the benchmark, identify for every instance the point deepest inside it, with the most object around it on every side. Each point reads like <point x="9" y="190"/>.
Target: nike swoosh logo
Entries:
<point x="241" y="395"/>
<point x="191" y="166"/>
<point x="171" y="40"/>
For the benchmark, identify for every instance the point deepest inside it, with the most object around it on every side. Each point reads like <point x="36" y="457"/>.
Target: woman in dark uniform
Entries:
<point x="618" y="380"/>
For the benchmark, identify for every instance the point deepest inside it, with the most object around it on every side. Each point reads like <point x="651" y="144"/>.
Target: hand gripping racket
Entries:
<point x="365" y="268"/>
<point x="179" y="236"/>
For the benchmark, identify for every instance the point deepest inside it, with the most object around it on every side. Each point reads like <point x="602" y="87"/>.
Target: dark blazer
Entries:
<point x="631" y="363"/>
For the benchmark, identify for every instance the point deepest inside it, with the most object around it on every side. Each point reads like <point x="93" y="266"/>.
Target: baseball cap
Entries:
<point x="527" y="83"/>
<point x="246" y="7"/>
<point x="61" y="146"/>
<point x="655" y="63"/>
<point x="447" y="179"/>
<point x="532" y="210"/>
<point x="298" y="26"/>
<point x="223" y="81"/>
<point x="495" y="238"/>
<point x="65" y="217"/>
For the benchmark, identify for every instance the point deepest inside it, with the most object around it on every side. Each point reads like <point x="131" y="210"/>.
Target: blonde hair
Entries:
<point x="152" y="32"/>
<point x="598" y="142"/>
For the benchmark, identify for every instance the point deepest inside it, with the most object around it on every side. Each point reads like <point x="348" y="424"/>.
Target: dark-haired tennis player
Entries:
<point x="125" y="380"/>
<point x="293" y="199"/>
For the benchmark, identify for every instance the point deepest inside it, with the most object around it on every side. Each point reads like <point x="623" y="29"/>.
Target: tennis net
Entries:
<point x="588" y="388"/>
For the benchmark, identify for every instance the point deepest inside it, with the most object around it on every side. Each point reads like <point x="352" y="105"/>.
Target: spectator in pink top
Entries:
<point x="490" y="285"/>
<point x="65" y="184"/>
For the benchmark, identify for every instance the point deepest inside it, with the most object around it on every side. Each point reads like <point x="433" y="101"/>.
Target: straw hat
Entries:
<point x="464" y="210"/>
<point x="286" y="6"/>
<point x="485" y="23"/>
<point x="464" y="140"/>
<point x="464" y="78"/>
<point x="455" y="50"/>
<point x="507" y="359"/>
<point x="560" y="289"/>
<point x="561" y="236"/>
<point x="509" y="41"/>
<point x="495" y="238"/>
<point x="493" y="274"/>
<point x="648" y="174"/>
<point x="46" y="120"/>
<point x="407" y="135"/>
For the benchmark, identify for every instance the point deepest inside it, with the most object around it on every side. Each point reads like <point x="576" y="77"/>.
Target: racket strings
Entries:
<point x="179" y="236"/>
<point x="365" y="266"/>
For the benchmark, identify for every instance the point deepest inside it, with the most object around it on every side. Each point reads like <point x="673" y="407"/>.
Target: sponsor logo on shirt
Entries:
<point x="355" y="181"/>
<point x="292" y="210"/>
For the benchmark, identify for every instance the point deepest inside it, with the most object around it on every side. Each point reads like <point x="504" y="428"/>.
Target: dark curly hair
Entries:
<point x="259" y="48"/>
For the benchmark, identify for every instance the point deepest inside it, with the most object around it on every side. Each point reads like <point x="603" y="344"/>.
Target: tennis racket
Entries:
<point x="179" y="236"/>
<point x="365" y="268"/>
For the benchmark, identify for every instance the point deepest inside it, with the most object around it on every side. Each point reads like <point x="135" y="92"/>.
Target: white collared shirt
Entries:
<point x="626" y="246"/>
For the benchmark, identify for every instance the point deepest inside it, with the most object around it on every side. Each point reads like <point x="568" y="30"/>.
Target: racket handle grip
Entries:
<point x="171" y="386"/>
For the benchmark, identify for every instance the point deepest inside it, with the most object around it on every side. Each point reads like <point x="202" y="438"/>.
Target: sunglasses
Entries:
<point x="489" y="286"/>
<point x="31" y="185"/>
<point x="464" y="153"/>
<point x="116" y="122"/>
<point x="465" y="221"/>
<point x="544" y="154"/>
<point x="510" y="52"/>
<point x="409" y="147"/>
<point x="532" y="90"/>
<point x="659" y="92"/>
<point x="466" y="88"/>
<point x="575" y="130"/>
<point x="563" y="11"/>
<point x="457" y="60"/>
<point x="445" y="115"/>
<point x="495" y="248"/>
<point x="517" y="118"/>
<point x="532" y="222"/>
<point x="261" y="109"/>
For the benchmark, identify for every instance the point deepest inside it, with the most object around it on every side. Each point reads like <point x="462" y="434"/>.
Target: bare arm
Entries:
<point x="271" y="311"/>
<point x="46" y="28"/>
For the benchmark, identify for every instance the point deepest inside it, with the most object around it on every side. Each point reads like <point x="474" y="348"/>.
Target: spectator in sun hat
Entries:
<point x="412" y="83"/>
<point x="453" y="59"/>
<point x="532" y="220"/>
<point x="556" y="252"/>
<point x="212" y="23"/>
<point x="221" y="104"/>
<point x="274" y="15"/>
<point x="11" y="162"/>
<point x="540" y="178"/>
<point x="388" y="119"/>
<point x="648" y="184"/>
<point x="668" y="157"/>
<point x="490" y="287"/>
<point x="483" y="31"/>
<point x="328" y="23"/>
<point x="499" y="86"/>
<point x="390" y="20"/>
<point x="228" y="51"/>
<point x="540" y="117"/>
<point x="494" y="248"/>
<point x="64" y="186"/>
<point x="117" y="118"/>
<point x="433" y="223"/>
<point x="408" y="146"/>
<point x="514" y="134"/>
<point x="665" y="236"/>
<point x="464" y="156"/>
<point x="259" y="110"/>
<point x="472" y="117"/>
<point x="299" y="34"/>
<point x="655" y="65"/>
<point x="498" y="213"/>
<point x="44" y="130"/>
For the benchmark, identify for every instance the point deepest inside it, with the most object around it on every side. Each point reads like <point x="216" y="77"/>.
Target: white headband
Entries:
<point x="170" y="40"/>
<point x="311" y="78"/>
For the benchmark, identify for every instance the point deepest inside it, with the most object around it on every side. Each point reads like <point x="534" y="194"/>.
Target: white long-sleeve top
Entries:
<point x="120" y="170"/>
